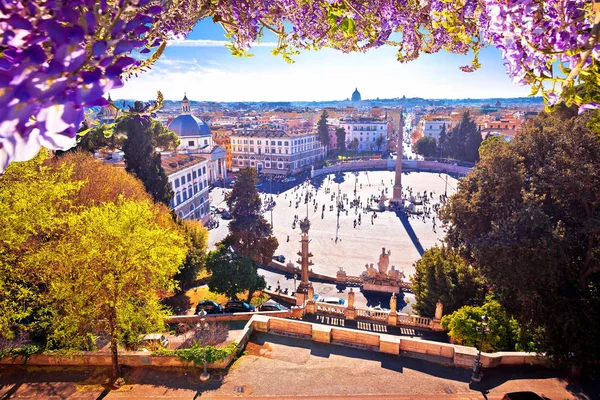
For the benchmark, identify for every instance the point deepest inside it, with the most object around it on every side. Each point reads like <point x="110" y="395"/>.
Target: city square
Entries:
<point x="355" y="247"/>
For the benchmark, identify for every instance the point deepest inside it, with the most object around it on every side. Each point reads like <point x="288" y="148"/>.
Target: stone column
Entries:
<point x="397" y="197"/>
<point x="350" y="311"/>
<point x="305" y="263"/>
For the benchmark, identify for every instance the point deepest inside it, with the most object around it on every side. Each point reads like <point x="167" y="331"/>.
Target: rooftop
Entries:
<point x="177" y="162"/>
<point x="272" y="133"/>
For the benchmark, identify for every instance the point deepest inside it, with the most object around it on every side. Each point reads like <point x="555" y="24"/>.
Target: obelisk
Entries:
<point x="305" y="291"/>
<point x="397" y="198"/>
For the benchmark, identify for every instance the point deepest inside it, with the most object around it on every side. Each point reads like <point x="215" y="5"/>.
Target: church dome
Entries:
<point x="187" y="125"/>
<point x="356" y="95"/>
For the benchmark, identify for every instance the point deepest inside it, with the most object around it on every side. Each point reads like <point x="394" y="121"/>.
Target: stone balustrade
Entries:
<point x="448" y="354"/>
<point x="372" y="314"/>
<point x="330" y="308"/>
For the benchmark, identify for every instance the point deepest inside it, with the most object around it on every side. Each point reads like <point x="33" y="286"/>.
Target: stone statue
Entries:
<point x="305" y="226"/>
<point x="393" y="303"/>
<point x="370" y="272"/>
<point x="439" y="310"/>
<point x="384" y="261"/>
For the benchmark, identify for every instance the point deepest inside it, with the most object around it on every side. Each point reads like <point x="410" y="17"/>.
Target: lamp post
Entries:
<point x="482" y="330"/>
<point x="295" y="278"/>
<point x="203" y="327"/>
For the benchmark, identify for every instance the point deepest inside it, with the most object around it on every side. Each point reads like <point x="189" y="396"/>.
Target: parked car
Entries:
<point x="209" y="306"/>
<point x="235" y="306"/>
<point x="522" y="396"/>
<point x="226" y="215"/>
<point x="154" y="341"/>
<point x="280" y="258"/>
<point x="329" y="300"/>
<point x="271" y="306"/>
<point x="333" y="300"/>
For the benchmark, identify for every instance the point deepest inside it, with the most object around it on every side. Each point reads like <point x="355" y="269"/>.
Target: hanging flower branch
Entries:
<point x="59" y="56"/>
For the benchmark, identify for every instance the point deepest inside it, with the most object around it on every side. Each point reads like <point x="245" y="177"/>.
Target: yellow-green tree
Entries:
<point x="108" y="269"/>
<point x="33" y="197"/>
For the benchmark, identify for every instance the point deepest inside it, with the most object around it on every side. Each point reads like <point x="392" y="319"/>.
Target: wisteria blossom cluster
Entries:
<point x="59" y="56"/>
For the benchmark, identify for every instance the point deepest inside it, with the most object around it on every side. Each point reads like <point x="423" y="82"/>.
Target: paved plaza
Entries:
<point x="355" y="247"/>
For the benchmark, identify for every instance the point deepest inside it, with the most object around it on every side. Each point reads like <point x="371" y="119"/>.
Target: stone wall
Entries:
<point x="390" y="164"/>
<point x="448" y="354"/>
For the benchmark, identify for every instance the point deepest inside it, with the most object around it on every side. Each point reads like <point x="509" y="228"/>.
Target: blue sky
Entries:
<point x="201" y="66"/>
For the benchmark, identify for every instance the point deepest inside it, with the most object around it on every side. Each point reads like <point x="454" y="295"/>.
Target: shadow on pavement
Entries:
<point x="410" y="231"/>
<point x="492" y="378"/>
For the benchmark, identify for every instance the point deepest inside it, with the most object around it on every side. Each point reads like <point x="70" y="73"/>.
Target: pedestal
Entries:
<point x="392" y="319"/>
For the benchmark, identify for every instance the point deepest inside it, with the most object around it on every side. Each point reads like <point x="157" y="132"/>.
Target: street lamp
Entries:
<point x="203" y="327"/>
<point x="482" y="330"/>
<point x="295" y="278"/>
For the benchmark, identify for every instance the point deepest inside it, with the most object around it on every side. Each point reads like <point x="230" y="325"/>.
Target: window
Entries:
<point x="190" y="193"/>
<point x="189" y="176"/>
<point x="194" y="174"/>
<point x="279" y="143"/>
<point x="177" y="182"/>
<point x="178" y="198"/>
<point x="251" y="149"/>
<point x="183" y="180"/>
<point x="172" y="203"/>
<point x="258" y="142"/>
<point x="185" y="195"/>
<point x="252" y="142"/>
<point x="191" y="143"/>
<point x="245" y="142"/>
<point x="195" y="189"/>
<point x="287" y="143"/>
<point x="203" y="170"/>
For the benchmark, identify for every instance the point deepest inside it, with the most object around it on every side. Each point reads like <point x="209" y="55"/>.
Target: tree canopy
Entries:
<point x="322" y="129"/>
<point x="249" y="232"/>
<point x="340" y="139"/>
<point x="527" y="218"/>
<point x="441" y="274"/>
<point x="83" y="252"/>
<point x="426" y="146"/>
<point x="233" y="273"/>
<point x="504" y="334"/>
<point x="196" y="237"/>
<point x="462" y="141"/>
<point x="140" y="156"/>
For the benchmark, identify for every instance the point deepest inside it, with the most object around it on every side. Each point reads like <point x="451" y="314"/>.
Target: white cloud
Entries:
<point x="210" y="43"/>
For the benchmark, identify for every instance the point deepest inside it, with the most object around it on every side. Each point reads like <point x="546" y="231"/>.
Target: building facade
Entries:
<point x="366" y="131"/>
<point x="432" y="126"/>
<point x="275" y="151"/>
<point x="188" y="176"/>
<point x="195" y="137"/>
<point x="222" y="138"/>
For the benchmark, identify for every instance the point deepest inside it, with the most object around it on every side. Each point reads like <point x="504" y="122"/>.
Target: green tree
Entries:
<point x="442" y="141"/>
<point x="142" y="160"/>
<point x="472" y="145"/>
<point x="353" y="145"/>
<point x="249" y="232"/>
<point x="527" y="217"/>
<point x="323" y="130"/>
<point x="233" y="273"/>
<point x="340" y="138"/>
<point x="379" y="142"/>
<point x="441" y="274"/>
<point x="108" y="267"/>
<point x="461" y="140"/>
<point x="426" y="146"/>
<point x="490" y="144"/>
<point x="196" y="236"/>
<point x="504" y="334"/>
<point x="32" y="199"/>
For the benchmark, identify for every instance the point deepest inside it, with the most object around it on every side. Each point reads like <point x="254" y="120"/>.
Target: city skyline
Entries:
<point x="201" y="66"/>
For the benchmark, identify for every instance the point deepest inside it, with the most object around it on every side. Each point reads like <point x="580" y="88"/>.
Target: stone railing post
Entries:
<point x="350" y="311"/>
